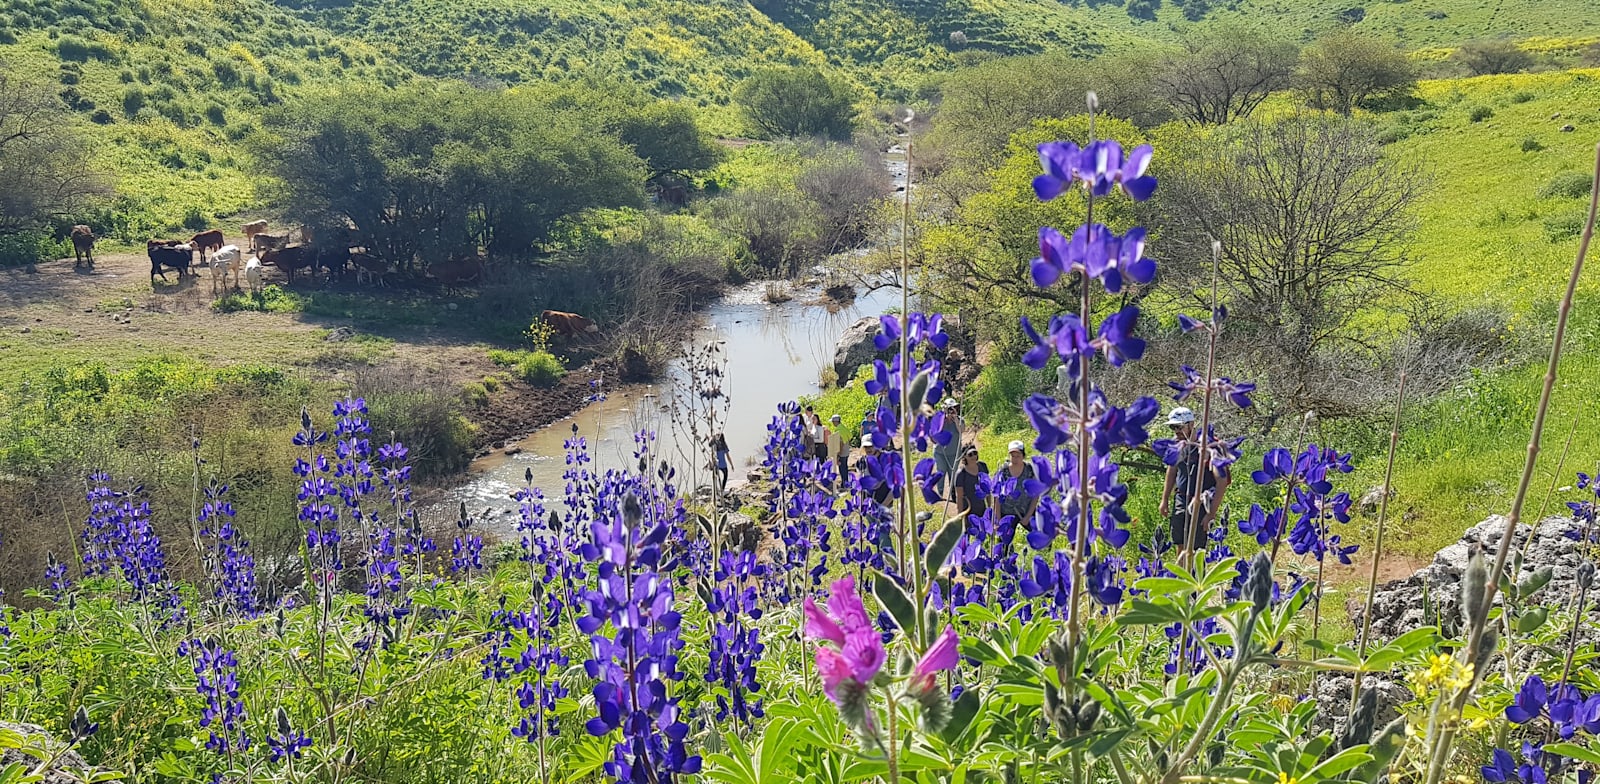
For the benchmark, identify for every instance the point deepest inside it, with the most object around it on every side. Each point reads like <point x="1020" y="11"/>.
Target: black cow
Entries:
<point x="292" y="258"/>
<point x="334" y="259"/>
<point x="162" y="257"/>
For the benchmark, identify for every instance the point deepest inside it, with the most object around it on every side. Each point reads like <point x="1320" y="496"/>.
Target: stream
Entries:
<point x="773" y="354"/>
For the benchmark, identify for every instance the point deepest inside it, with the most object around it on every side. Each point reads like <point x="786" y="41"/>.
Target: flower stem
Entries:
<point x="1377" y="547"/>
<point x="1081" y="536"/>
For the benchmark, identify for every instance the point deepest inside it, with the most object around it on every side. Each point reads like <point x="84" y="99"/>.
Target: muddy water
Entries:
<point x="774" y="354"/>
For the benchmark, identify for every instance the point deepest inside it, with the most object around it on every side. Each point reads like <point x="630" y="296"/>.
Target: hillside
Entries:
<point x="168" y="90"/>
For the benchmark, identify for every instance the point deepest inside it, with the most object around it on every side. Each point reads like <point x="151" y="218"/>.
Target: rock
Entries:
<point x="513" y="450"/>
<point x="633" y="365"/>
<point x="340" y="335"/>
<point x="27" y="330"/>
<point x="1370" y="502"/>
<point x="742" y="531"/>
<point x="855" y="348"/>
<point x="57" y="774"/>
<point x="1432" y="594"/>
<point x="1556" y="116"/>
<point x="1332" y="693"/>
<point x="1567" y="129"/>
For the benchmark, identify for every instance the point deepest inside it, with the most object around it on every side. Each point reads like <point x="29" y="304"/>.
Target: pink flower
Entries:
<point x="858" y="654"/>
<point x="834" y="669"/>
<point x="939" y="657"/>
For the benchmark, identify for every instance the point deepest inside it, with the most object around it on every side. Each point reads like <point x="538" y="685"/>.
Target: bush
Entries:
<point x="217" y="114"/>
<point x="30" y="247"/>
<point x="272" y="299"/>
<point x="995" y="398"/>
<point x="196" y="220"/>
<point x="1493" y="57"/>
<point x="1531" y="144"/>
<point x="133" y="100"/>
<point x="1480" y="113"/>
<point x="1565" y="225"/>
<point x="1567" y="185"/>
<point x="540" y="368"/>
<point x="796" y="103"/>
<point x="420" y="412"/>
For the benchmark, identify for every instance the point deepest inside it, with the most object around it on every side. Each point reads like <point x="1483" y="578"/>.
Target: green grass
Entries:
<point x="540" y="368"/>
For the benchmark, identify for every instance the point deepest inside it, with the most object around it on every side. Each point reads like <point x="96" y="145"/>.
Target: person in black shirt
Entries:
<point x="1180" y="484"/>
<point x="967" y="496"/>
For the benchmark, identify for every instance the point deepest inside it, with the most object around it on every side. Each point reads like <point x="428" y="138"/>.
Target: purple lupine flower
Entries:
<point x="1530" y="701"/>
<point x="540" y="665"/>
<point x="1101" y="167"/>
<point x="55" y="572"/>
<point x="317" y="511"/>
<point x="632" y="667"/>
<point x="735" y="640"/>
<point x="287" y="743"/>
<point x="227" y="556"/>
<point x="466" y="551"/>
<point x="216" y="672"/>
<point x="1237" y="392"/>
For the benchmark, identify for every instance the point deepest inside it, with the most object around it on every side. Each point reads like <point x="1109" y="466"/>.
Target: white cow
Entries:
<point x="226" y="260"/>
<point x="252" y="273"/>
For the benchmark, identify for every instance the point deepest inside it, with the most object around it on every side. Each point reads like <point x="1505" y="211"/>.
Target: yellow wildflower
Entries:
<point x="1284" y="778"/>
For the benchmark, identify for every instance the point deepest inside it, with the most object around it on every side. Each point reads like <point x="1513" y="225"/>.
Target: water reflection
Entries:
<point x="774" y="353"/>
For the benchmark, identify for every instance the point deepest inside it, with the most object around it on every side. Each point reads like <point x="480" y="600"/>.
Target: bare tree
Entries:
<point x="44" y="166"/>
<point x="1314" y="223"/>
<point x="1224" y="74"/>
<point x="848" y="188"/>
<point x="1343" y="69"/>
<point x="1493" y="56"/>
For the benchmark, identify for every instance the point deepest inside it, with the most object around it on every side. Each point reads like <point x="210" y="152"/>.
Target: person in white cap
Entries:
<point x="1010" y="497"/>
<point x="1181" y="481"/>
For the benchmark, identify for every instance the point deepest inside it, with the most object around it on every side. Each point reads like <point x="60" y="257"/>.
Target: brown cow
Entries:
<point x="207" y="241"/>
<point x="456" y="271"/>
<point x="568" y="324"/>
<point x="251" y="229"/>
<point x="291" y="258"/>
<point x="82" y="245"/>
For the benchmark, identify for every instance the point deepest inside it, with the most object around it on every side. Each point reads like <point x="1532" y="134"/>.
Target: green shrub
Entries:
<point x="28" y="247"/>
<point x="425" y="417"/>
<point x="196" y="220"/>
<point x="271" y="299"/>
<point x="995" y="398"/>
<point x="1567" y="185"/>
<point x="217" y="114"/>
<point x="133" y="100"/>
<point x="1531" y="144"/>
<point x="540" y="368"/>
<point x="72" y="48"/>
<point x="1480" y="113"/>
<point x="1393" y="133"/>
<point x="1564" y="225"/>
<point x="1522" y="96"/>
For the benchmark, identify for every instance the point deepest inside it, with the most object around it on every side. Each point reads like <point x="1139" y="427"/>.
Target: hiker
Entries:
<point x="970" y="482"/>
<point x="945" y="456"/>
<point x="874" y="444"/>
<point x="1009" y="496"/>
<point x="833" y="445"/>
<point x="1180" y="484"/>
<point x="719" y="451"/>
<point x="819" y="434"/>
<point x="808" y="432"/>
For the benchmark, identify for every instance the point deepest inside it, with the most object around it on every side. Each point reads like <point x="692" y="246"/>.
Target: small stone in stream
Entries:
<point x="497" y="445"/>
<point x="513" y="450"/>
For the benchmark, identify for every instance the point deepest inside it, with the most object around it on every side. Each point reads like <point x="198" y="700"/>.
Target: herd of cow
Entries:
<point x="335" y="260"/>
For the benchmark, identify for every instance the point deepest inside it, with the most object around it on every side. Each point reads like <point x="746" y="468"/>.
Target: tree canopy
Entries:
<point x="1343" y="69"/>
<point x="44" y="170"/>
<point x="783" y="103"/>
<point x="1225" y="73"/>
<point x="430" y="172"/>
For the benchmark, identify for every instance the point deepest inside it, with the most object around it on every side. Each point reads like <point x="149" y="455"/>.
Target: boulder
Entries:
<point x="58" y="772"/>
<point x="855" y="348"/>
<point x="1431" y="596"/>
<point x="1332" y="693"/>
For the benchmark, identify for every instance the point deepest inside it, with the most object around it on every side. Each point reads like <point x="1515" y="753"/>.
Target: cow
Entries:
<point x="369" y="268"/>
<point x="224" y="261"/>
<point x="250" y="230"/>
<point x="457" y="270"/>
<point x="264" y="241"/>
<point x="252" y="273"/>
<point x="291" y="258"/>
<point x="177" y="257"/>
<point x="568" y="324"/>
<point x="334" y="259"/>
<point x="207" y="241"/>
<point x="82" y="245"/>
<point x="153" y="244"/>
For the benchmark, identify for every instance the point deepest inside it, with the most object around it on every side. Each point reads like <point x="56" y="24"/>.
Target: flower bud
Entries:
<point x="1258" y="585"/>
<point x="935" y="706"/>
<point x="1092" y="101"/>
<point x="1359" y="730"/>
<point x="1486" y="650"/>
<point x="1585" y="575"/>
<point x="283" y="721"/>
<point x="1088" y="715"/>
<point x="632" y="511"/>
<point x="1474" y="584"/>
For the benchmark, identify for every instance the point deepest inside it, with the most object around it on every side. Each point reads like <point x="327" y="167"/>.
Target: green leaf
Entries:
<point x="895" y="600"/>
<point x="1109" y="741"/>
<point x="1349" y="759"/>
<point x="1533" y="582"/>
<point x="1163" y="585"/>
<point x="943" y="542"/>
<point x="1532" y="620"/>
<point x="961" y="716"/>
<point x="1574" y="751"/>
